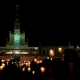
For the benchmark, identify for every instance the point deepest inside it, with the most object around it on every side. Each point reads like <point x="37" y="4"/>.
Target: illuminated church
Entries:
<point x="17" y="39"/>
<point x="17" y="43"/>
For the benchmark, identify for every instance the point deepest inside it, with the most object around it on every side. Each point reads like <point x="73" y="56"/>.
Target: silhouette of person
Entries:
<point x="71" y="64"/>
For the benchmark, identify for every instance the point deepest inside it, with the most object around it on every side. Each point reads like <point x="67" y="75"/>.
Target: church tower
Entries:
<point x="17" y="21"/>
<point x="17" y="38"/>
<point x="17" y="28"/>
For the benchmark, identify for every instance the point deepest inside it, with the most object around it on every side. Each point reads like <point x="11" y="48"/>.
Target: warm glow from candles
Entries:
<point x="35" y="60"/>
<point x="42" y="69"/>
<point x="7" y="63"/>
<point x="33" y="72"/>
<point x="1" y="67"/>
<point x="40" y="61"/>
<point x="12" y="62"/>
<point x="2" y="60"/>
<point x="27" y="64"/>
<point x="29" y="69"/>
<point x="47" y="57"/>
<point x="51" y="58"/>
<point x="3" y="64"/>
<point x="23" y="69"/>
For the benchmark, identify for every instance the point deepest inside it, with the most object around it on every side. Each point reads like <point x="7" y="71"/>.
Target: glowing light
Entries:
<point x="47" y="57"/>
<point x="35" y="60"/>
<point x="42" y="69"/>
<point x="29" y="69"/>
<point x="51" y="58"/>
<point x="24" y="53"/>
<point x="1" y="67"/>
<point x="12" y="62"/>
<point x="40" y="61"/>
<point x="36" y="47"/>
<point x="27" y="64"/>
<point x="23" y="69"/>
<point x="17" y="52"/>
<point x="8" y="52"/>
<point x="3" y="64"/>
<point x="51" y="53"/>
<point x="11" y="52"/>
<point x="77" y="47"/>
<point x="60" y="49"/>
<point x="33" y="72"/>
<point x="2" y="60"/>
<point x="7" y="63"/>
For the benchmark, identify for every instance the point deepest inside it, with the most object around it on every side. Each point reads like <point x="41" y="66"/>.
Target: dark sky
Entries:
<point x="47" y="22"/>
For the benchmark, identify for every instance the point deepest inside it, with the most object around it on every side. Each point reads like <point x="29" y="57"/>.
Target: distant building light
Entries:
<point x="60" y="49"/>
<point x="11" y="51"/>
<point x="24" y="53"/>
<point x="77" y="47"/>
<point x="51" y="52"/>
<point x="36" y="47"/>
<point x="17" y="52"/>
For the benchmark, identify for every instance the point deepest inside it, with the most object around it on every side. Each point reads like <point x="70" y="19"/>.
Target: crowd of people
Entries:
<point x="65" y="68"/>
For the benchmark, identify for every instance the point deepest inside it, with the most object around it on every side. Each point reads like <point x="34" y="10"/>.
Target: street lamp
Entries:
<point x="60" y="49"/>
<point x="51" y="52"/>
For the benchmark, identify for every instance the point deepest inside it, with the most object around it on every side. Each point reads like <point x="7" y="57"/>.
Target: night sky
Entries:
<point x="45" y="22"/>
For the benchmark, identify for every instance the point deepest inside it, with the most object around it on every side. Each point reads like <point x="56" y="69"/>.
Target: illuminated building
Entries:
<point x="17" y="43"/>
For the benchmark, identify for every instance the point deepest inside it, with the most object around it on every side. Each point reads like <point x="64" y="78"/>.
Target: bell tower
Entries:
<point x="17" y="21"/>
<point x="17" y="28"/>
<point x="17" y="39"/>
